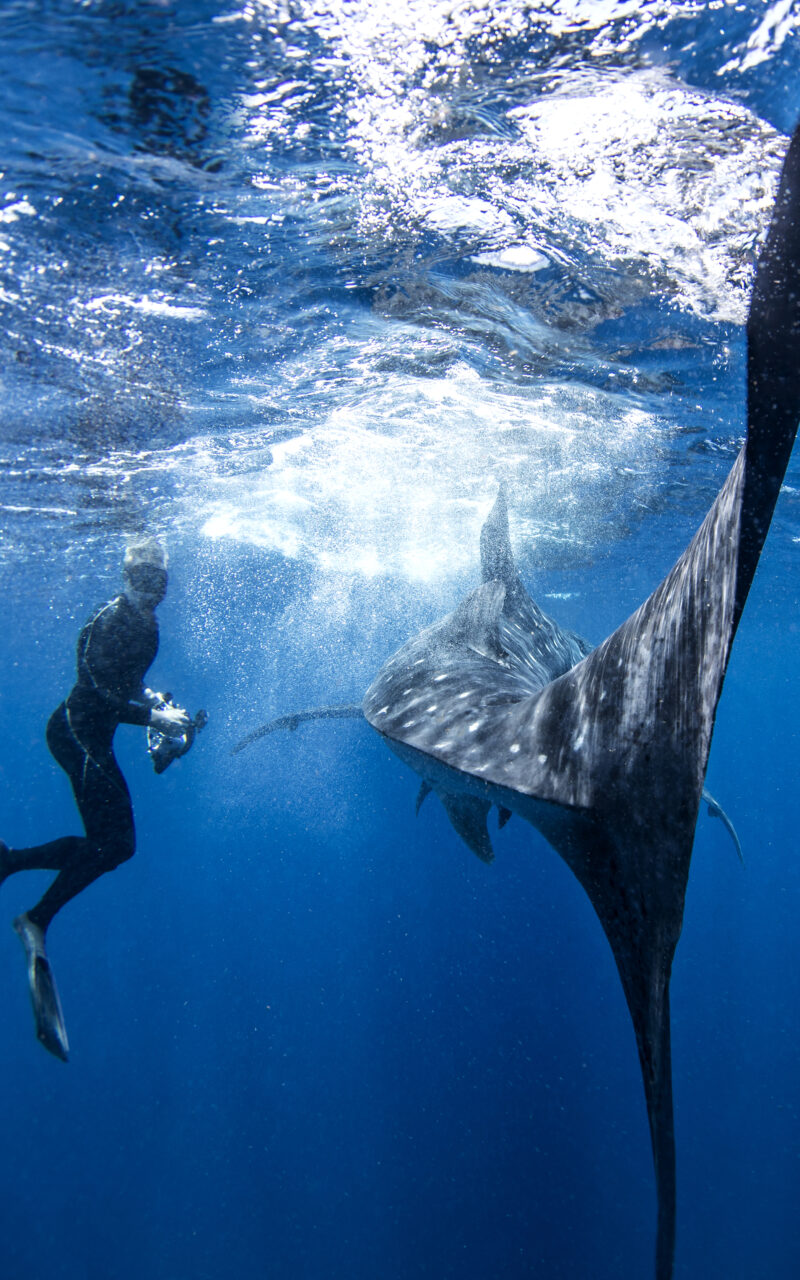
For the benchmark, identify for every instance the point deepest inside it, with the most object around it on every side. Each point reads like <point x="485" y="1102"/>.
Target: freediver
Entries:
<point x="115" y="650"/>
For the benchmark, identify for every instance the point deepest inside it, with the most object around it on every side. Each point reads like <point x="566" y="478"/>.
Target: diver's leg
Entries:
<point x="56" y="855"/>
<point x="67" y="885"/>
<point x="67" y="851"/>
<point x="105" y="807"/>
<point x="31" y="926"/>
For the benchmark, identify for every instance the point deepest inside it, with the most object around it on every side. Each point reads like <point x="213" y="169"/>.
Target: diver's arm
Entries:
<point x="132" y="712"/>
<point x="165" y="715"/>
<point x="171" y="721"/>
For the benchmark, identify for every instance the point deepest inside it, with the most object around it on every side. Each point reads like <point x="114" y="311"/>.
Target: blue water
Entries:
<point x="294" y="285"/>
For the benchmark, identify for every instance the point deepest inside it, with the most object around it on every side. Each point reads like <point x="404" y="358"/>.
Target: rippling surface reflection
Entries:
<point x="313" y="276"/>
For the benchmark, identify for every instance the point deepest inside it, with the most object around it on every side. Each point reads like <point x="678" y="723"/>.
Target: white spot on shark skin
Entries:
<point x="441" y="746"/>
<point x="432" y="707"/>
<point x="476" y="724"/>
<point x="542" y="759"/>
<point x="514" y="748"/>
<point x="382" y="711"/>
<point x="443" y="676"/>
<point x="409" y="724"/>
<point x="419" y="662"/>
<point x="466" y="693"/>
<point x="406" y="692"/>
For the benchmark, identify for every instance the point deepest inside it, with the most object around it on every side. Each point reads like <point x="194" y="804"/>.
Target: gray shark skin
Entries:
<point x="605" y="750"/>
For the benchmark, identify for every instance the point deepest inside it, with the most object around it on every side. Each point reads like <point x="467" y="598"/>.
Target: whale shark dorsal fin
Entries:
<point x="476" y="621"/>
<point x="497" y="558"/>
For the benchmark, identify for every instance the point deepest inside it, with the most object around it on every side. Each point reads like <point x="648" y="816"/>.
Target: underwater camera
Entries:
<point x="163" y="749"/>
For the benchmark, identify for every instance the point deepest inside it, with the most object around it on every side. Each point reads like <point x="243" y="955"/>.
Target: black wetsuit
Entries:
<point x="115" y="650"/>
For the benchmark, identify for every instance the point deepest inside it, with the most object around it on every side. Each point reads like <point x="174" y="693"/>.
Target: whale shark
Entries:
<point x="604" y="750"/>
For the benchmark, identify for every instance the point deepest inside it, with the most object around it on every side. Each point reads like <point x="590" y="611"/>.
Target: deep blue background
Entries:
<point x="314" y="1036"/>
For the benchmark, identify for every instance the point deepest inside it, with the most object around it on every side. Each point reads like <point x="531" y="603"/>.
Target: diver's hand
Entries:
<point x="172" y="721"/>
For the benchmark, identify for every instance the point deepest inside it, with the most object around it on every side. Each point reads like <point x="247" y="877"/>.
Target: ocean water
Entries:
<point x="295" y="286"/>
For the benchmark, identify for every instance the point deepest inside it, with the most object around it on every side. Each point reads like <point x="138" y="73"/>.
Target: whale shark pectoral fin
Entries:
<point x="716" y="811"/>
<point x="468" y="816"/>
<point x="424" y="790"/>
<point x="350" y="711"/>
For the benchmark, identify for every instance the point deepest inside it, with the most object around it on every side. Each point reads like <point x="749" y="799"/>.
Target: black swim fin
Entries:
<point x="50" y="1029"/>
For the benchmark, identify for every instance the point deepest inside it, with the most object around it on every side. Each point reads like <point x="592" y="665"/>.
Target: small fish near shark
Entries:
<point x="604" y="750"/>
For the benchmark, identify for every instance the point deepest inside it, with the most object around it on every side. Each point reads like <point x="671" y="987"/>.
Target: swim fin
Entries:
<point x="50" y="1029"/>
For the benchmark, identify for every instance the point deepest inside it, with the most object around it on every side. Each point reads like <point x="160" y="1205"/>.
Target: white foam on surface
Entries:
<point x="634" y="164"/>
<point x="399" y="482"/>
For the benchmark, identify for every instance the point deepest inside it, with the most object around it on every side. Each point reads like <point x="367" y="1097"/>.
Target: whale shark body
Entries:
<point x="604" y="750"/>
